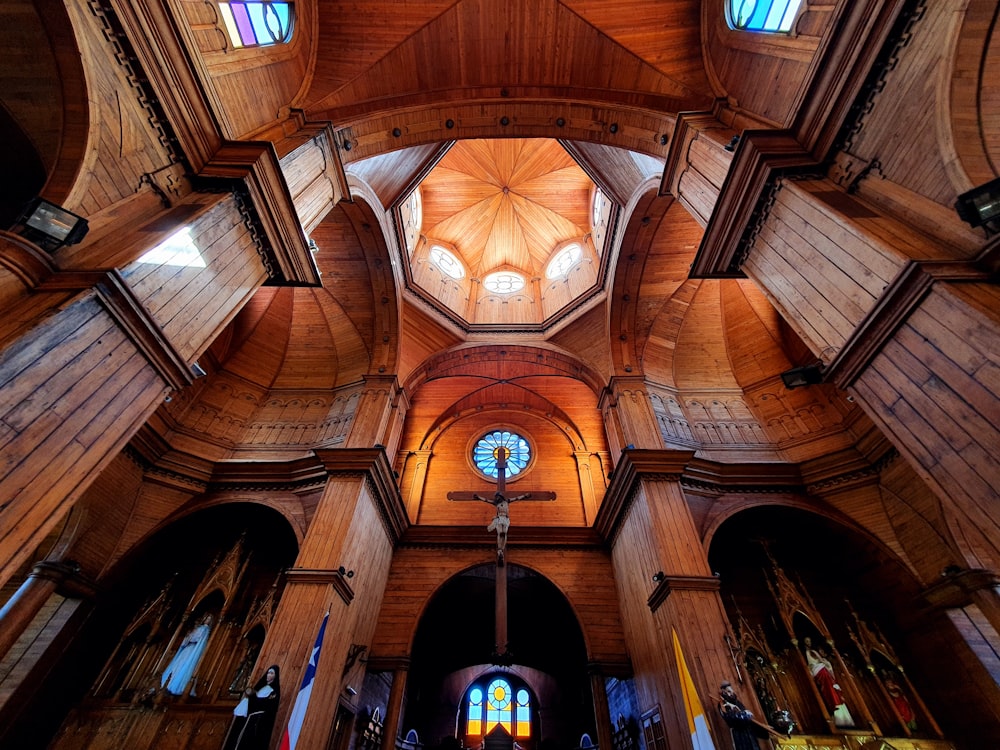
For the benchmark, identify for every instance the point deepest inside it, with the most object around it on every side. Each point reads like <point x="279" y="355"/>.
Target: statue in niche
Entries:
<point x="181" y="668"/>
<point x="823" y="674"/>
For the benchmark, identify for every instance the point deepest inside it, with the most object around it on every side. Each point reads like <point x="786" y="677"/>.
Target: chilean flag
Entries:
<point x="291" y="738"/>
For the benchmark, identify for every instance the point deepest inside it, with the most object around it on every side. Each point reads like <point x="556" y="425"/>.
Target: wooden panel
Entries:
<point x="934" y="386"/>
<point x="192" y="302"/>
<point x="74" y="397"/>
<point x="417" y="573"/>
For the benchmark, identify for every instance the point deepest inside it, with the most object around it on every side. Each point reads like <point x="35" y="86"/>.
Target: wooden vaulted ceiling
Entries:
<point x="385" y="55"/>
<point x="506" y="203"/>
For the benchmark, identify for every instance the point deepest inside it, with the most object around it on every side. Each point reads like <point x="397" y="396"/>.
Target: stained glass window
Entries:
<point x="522" y="713"/>
<point x="763" y="15"/>
<point x="486" y="452"/>
<point x="475" y="723"/>
<point x="498" y="706"/>
<point x="504" y="707"/>
<point x="256" y="24"/>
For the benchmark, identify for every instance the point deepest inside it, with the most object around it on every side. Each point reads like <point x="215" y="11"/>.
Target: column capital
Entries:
<point x="67" y="576"/>
<point x="636" y="465"/>
<point x="957" y="586"/>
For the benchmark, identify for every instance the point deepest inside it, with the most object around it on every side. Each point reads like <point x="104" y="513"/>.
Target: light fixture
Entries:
<point x="802" y="376"/>
<point x="981" y="206"/>
<point x="733" y="143"/>
<point x="50" y="226"/>
<point x="344" y="572"/>
<point x="658" y="576"/>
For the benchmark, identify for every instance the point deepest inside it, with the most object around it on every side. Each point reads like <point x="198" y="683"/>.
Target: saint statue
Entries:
<point x="181" y="668"/>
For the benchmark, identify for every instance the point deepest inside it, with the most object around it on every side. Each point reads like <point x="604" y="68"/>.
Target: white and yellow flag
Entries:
<point x="701" y="738"/>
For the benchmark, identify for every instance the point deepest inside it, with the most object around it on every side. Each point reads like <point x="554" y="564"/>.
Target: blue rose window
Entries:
<point x="489" y="448"/>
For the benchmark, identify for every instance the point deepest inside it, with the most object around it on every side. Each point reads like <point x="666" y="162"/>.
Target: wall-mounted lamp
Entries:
<point x="345" y="573"/>
<point x="50" y="226"/>
<point x="802" y="376"/>
<point x="980" y="207"/>
<point x="658" y="576"/>
<point x="350" y="691"/>
<point x="733" y="143"/>
<point x="198" y="370"/>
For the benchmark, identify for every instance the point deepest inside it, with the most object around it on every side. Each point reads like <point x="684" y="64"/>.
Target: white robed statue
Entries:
<point x="181" y="668"/>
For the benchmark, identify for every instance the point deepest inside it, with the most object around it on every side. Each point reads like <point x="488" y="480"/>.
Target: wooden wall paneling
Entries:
<point x="927" y="388"/>
<point x="65" y="423"/>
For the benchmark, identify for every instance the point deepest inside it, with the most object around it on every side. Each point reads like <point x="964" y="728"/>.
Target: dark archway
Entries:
<point x="455" y="641"/>
<point x="87" y="676"/>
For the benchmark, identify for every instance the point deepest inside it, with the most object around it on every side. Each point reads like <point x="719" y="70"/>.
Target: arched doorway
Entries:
<point x="451" y="659"/>
<point x="216" y="572"/>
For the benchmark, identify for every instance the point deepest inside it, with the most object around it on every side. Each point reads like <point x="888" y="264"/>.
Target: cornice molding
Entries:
<point x="255" y="164"/>
<point x="374" y="464"/>
<point x="901" y="297"/>
<point x="680" y="583"/>
<point x="322" y="576"/>
<point x="117" y="297"/>
<point x="520" y="537"/>
<point x="635" y="465"/>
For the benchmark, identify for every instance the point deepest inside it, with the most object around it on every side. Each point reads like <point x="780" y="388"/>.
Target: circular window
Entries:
<point x="504" y="282"/>
<point x="564" y="260"/>
<point x="492" y="445"/>
<point x="447" y="262"/>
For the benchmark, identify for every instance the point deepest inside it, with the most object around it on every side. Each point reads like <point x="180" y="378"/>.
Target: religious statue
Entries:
<point x="901" y="702"/>
<point x="822" y="673"/>
<point x="500" y="524"/>
<point x="253" y="717"/>
<point x="738" y="718"/>
<point x="181" y="668"/>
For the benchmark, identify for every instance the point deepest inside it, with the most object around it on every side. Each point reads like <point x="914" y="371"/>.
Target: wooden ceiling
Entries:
<point x="506" y="203"/>
<point x="391" y="74"/>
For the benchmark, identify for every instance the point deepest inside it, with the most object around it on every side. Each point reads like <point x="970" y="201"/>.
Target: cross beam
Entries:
<point x="500" y="524"/>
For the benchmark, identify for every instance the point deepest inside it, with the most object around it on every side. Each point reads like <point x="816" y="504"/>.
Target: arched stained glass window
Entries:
<point x="763" y="15"/>
<point x="257" y="24"/>
<point x="486" y="452"/>
<point x="475" y="722"/>
<point x="522" y="711"/>
<point x="498" y="706"/>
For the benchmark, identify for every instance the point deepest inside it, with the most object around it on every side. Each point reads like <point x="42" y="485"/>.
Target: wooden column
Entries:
<point x="374" y="413"/>
<point x="46" y="578"/>
<point x="417" y="463"/>
<point x="698" y="163"/>
<point x="357" y="522"/>
<point x="602" y="714"/>
<point x="666" y="586"/>
<point x="629" y="414"/>
<point x="394" y="708"/>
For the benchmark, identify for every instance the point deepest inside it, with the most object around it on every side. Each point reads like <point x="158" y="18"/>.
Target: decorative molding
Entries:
<point x="680" y="583"/>
<point x="901" y="297"/>
<point x="255" y="165"/>
<point x="132" y="318"/>
<point x="761" y="157"/>
<point x="522" y="537"/>
<point x="373" y="464"/>
<point x="321" y="576"/>
<point x="387" y="663"/>
<point x="635" y="466"/>
<point x="957" y="587"/>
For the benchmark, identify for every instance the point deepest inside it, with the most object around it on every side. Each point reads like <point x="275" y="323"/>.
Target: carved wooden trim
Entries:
<point x="760" y="157"/>
<point x="521" y="537"/>
<point x="680" y="583"/>
<point x="686" y="121"/>
<point x="387" y="663"/>
<point x="374" y="465"/>
<point x="635" y="465"/>
<point x="256" y="164"/>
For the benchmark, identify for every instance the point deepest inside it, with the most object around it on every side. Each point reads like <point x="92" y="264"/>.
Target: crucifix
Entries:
<point x="500" y="524"/>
